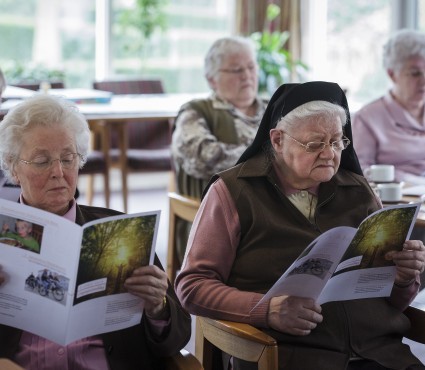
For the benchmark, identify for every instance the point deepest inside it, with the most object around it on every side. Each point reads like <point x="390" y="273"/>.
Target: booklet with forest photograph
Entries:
<point x="347" y="263"/>
<point x="70" y="284"/>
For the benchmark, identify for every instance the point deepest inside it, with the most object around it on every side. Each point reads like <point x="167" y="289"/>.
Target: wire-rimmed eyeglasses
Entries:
<point x="415" y="73"/>
<point x="239" y="70"/>
<point x="319" y="146"/>
<point x="43" y="163"/>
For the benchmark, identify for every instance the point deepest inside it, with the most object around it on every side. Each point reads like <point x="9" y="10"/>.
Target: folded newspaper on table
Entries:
<point x="71" y="286"/>
<point x="347" y="263"/>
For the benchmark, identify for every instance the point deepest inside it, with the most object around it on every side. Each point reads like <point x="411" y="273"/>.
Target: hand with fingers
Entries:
<point x="294" y="315"/>
<point x="410" y="262"/>
<point x="150" y="283"/>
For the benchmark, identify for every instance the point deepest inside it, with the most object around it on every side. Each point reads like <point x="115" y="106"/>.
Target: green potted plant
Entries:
<point x="146" y="17"/>
<point x="275" y="62"/>
<point x="30" y="73"/>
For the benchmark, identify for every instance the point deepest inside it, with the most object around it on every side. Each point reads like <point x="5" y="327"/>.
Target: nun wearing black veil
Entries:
<point x="298" y="179"/>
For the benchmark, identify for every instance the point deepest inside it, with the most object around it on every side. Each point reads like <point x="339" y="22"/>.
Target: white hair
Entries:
<point x="40" y="110"/>
<point x="401" y="46"/>
<point x="226" y="46"/>
<point x="317" y="108"/>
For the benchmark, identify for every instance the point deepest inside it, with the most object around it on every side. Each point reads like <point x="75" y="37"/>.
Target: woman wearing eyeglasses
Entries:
<point x="211" y="134"/>
<point x="44" y="142"/>
<point x="391" y="129"/>
<point x="298" y="179"/>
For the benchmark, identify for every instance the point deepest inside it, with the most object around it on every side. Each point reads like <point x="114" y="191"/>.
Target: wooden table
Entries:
<point x="121" y="109"/>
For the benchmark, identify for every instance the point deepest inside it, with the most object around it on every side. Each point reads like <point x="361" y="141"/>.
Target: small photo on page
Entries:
<point x="318" y="267"/>
<point x="21" y="233"/>
<point x="110" y="252"/>
<point x="48" y="284"/>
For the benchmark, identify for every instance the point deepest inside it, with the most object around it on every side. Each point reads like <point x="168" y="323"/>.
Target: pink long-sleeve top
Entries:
<point x="211" y="251"/>
<point x="385" y="133"/>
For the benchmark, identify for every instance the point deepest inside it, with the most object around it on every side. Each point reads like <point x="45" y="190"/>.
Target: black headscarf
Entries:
<point x="290" y="96"/>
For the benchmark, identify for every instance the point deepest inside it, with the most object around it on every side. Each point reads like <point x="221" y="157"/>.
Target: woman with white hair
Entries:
<point x="44" y="142"/>
<point x="210" y="134"/>
<point x="391" y="129"/>
<point x="290" y="186"/>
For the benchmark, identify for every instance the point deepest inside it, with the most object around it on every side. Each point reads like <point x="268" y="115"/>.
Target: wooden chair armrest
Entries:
<point x="6" y="364"/>
<point x="184" y="360"/>
<point x="417" y="320"/>
<point x="241" y="330"/>
<point x="236" y="339"/>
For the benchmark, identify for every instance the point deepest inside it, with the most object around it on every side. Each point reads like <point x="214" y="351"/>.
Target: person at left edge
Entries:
<point x="44" y="143"/>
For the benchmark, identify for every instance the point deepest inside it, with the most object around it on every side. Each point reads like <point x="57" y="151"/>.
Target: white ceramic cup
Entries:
<point x="380" y="173"/>
<point x="390" y="192"/>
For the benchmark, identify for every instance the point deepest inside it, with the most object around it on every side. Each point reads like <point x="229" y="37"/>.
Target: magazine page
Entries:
<point x="347" y="263"/>
<point x="363" y="271"/>
<point x="55" y="292"/>
<point x="36" y="246"/>
<point x="314" y="267"/>
<point x="110" y="250"/>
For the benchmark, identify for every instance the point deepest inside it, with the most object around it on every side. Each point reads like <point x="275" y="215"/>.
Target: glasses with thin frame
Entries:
<point x="239" y="70"/>
<point x="43" y="163"/>
<point x="415" y="73"/>
<point x="319" y="146"/>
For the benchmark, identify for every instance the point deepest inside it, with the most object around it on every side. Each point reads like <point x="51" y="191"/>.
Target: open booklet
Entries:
<point x="347" y="263"/>
<point x="67" y="283"/>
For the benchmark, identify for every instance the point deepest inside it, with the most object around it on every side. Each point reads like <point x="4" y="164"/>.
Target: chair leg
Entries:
<point x="199" y="341"/>
<point x="90" y="189"/>
<point x="107" y="189"/>
<point x="124" y="188"/>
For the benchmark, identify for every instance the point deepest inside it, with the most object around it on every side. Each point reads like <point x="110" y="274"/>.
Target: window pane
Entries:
<point x="357" y="30"/>
<point x="77" y="27"/>
<point x="421" y="15"/>
<point x="42" y="36"/>
<point x="175" y="55"/>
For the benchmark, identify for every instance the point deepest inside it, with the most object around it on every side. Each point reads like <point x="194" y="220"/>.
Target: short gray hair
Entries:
<point x="222" y="47"/>
<point x="401" y="46"/>
<point x="317" y="108"/>
<point x="40" y="110"/>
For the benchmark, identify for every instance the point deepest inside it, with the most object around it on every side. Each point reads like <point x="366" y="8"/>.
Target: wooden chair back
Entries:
<point x="239" y="340"/>
<point x="121" y="87"/>
<point x="35" y="86"/>
<point x="149" y="134"/>
<point x="181" y="207"/>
